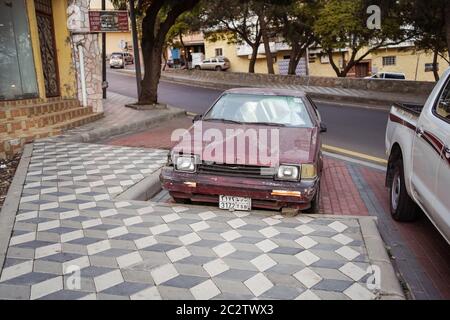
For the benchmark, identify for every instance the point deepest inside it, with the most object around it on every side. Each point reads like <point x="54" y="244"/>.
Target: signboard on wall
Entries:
<point x="108" y="21"/>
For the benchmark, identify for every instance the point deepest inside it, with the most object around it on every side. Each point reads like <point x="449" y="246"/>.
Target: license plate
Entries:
<point x="235" y="203"/>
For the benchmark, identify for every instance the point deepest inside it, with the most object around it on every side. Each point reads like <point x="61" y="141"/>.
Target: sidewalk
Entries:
<point x="118" y="119"/>
<point x="68" y="218"/>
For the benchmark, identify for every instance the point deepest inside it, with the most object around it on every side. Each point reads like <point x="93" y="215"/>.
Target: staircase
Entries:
<point x="26" y="120"/>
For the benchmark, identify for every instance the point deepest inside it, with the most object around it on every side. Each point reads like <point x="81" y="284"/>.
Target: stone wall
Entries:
<point x="392" y="86"/>
<point x="78" y="14"/>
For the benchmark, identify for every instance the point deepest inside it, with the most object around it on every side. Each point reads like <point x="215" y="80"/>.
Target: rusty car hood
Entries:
<point x="215" y="140"/>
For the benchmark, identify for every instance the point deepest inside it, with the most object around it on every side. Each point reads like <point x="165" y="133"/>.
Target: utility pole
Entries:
<point x="137" y="57"/>
<point x="104" y="84"/>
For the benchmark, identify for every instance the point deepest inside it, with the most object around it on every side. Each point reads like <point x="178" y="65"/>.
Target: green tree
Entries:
<point x="342" y="24"/>
<point x="294" y="21"/>
<point x="158" y="17"/>
<point x="428" y="25"/>
<point x="236" y="22"/>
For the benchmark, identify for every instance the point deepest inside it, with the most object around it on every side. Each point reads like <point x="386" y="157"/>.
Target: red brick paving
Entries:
<point x="158" y="137"/>
<point x="429" y="247"/>
<point x="340" y="196"/>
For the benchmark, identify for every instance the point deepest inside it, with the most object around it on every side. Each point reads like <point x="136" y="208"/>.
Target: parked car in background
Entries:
<point x="217" y="63"/>
<point x="120" y="59"/>
<point x="240" y="180"/>
<point x="388" y="75"/>
<point x="418" y="145"/>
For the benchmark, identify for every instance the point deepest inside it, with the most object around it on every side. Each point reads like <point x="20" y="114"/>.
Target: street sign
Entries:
<point x="108" y="21"/>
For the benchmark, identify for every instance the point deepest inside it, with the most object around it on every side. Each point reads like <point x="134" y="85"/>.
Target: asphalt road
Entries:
<point x="355" y="129"/>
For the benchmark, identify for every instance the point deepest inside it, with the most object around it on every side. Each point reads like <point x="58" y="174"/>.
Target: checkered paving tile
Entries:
<point x="72" y="240"/>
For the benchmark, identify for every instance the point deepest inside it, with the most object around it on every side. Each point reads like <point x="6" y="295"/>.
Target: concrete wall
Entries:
<point x="397" y="86"/>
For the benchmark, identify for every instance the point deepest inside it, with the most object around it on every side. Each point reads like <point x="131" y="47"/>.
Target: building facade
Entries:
<point x="50" y="70"/>
<point x="403" y="58"/>
<point x="35" y="56"/>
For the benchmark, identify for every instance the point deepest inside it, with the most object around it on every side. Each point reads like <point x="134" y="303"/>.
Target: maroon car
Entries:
<point x="253" y="148"/>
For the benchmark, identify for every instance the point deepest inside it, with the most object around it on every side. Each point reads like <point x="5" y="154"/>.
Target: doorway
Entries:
<point x="44" y="16"/>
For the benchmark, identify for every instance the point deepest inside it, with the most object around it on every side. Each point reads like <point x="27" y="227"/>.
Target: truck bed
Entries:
<point x="416" y="109"/>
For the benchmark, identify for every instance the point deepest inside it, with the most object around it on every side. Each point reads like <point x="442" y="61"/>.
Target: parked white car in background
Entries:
<point x="217" y="63"/>
<point x="388" y="76"/>
<point x="418" y="145"/>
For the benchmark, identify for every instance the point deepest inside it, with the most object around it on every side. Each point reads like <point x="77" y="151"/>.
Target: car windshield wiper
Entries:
<point x="268" y="124"/>
<point x="222" y="120"/>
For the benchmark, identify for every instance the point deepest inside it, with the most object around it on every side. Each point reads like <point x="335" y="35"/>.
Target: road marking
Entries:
<point x="356" y="161"/>
<point x="354" y="154"/>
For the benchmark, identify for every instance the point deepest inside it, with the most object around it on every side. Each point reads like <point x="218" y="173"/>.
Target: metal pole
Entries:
<point x="82" y="75"/>
<point x="137" y="58"/>
<point x="104" y="56"/>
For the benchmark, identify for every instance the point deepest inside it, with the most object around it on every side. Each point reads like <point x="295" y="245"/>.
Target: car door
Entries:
<point x="442" y="112"/>
<point x="206" y="64"/>
<point x="427" y="159"/>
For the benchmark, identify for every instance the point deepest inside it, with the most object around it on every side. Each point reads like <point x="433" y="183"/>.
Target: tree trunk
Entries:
<point x="164" y="54"/>
<point x="334" y="66"/>
<point x="266" y="42"/>
<point x="296" y="55"/>
<point x="152" y="67"/>
<point x="251" y="65"/>
<point x="447" y="25"/>
<point x="435" y="65"/>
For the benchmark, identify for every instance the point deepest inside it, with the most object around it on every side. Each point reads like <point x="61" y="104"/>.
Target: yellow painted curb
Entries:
<point x="354" y="154"/>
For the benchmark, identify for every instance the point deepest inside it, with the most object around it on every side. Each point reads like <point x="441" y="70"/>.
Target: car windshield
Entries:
<point x="260" y="109"/>
<point x="116" y="56"/>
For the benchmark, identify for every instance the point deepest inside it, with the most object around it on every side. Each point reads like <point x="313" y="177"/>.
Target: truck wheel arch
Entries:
<point x="395" y="154"/>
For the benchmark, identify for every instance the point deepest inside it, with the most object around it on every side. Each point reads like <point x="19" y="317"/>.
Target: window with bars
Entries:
<point x="389" y="61"/>
<point x="219" y="52"/>
<point x="44" y="6"/>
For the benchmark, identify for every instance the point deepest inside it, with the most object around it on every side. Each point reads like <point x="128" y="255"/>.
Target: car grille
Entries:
<point x="236" y="170"/>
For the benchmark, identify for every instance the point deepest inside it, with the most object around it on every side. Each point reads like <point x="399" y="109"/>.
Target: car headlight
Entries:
<point x="286" y="172"/>
<point x="309" y="171"/>
<point x="185" y="163"/>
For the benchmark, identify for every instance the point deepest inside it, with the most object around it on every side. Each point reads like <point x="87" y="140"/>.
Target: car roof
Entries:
<point x="268" y="91"/>
<point x="396" y="73"/>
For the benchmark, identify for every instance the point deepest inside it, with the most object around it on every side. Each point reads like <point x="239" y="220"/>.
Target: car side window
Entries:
<point x="205" y="61"/>
<point x="442" y="108"/>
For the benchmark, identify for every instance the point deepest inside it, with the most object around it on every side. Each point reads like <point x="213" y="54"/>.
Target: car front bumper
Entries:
<point x="263" y="192"/>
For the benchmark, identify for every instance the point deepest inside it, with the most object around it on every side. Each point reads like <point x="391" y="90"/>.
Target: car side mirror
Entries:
<point x="323" y="127"/>
<point x="197" y="117"/>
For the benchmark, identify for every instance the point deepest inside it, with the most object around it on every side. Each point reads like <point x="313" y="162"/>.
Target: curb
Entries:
<point x="103" y="133"/>
<point x="12" y="201"/>
<point x="376" y="251"/>
<point x="144" y="190"/>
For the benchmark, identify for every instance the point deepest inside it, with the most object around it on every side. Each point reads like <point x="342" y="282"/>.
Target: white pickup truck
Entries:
<point x="418" y="146"/>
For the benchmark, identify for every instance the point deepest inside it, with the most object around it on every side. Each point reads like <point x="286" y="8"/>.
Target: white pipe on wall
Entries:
<point x="82" y="75"/>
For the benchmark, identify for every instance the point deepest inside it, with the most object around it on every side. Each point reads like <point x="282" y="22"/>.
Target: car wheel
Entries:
<point x="402" y="207"/>
<point x="218" y="68"/>
<point x="315" y="203"/>
<point x="197" y="68"/>
<point x="181" y="200"/>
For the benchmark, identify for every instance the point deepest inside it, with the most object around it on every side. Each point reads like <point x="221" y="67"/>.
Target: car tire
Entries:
<point x="315" y="203"/>
<point x="197" y="68"/>
<point x="180" y="200"/>
<point x="402" y="207"/>
<point x="218" y="68"/>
